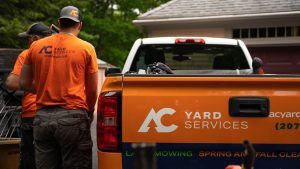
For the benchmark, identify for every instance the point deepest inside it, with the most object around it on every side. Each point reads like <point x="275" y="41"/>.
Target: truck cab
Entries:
<point x="187" y="55"/>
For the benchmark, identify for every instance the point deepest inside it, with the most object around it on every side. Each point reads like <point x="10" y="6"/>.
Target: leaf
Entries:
<point x="107" y="23"/>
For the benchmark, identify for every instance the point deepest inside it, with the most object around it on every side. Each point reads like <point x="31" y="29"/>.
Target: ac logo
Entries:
<point x="74" y="13"/>
<point x="156" y="117"/>
<point x="46" y="49"/>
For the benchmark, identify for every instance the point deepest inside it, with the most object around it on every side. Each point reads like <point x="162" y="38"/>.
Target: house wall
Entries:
<point x="101" y="77"/>
<point x="280" y="55"/>
<point x="223" y="29"/>
<point x="209" y="32"/>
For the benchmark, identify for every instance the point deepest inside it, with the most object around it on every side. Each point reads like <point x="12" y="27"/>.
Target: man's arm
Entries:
<point x="26" y="79"/>
<point x="13" y="82"/>
<point x="91" y="84"/>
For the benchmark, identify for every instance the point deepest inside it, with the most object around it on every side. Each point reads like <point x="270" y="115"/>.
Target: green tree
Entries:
<point x="107" y="23"/>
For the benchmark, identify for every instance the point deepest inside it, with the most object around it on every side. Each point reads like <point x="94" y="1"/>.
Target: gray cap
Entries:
<point x="70" y="12"/>
<point x="36" y="29"/>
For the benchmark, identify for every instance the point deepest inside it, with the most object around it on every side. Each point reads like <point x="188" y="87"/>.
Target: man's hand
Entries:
<point x="233" y="167"/>
<point x="12" y="82"/>
<point x="91" y="85"/>
<point x="91" y="115"/>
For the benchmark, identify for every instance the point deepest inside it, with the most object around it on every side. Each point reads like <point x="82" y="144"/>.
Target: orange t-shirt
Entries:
<point x="28" y="100"/>
<point x="59" y="64"/>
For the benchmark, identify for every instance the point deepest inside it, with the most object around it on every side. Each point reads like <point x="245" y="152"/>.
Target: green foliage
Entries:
<point x="107" y="23"/>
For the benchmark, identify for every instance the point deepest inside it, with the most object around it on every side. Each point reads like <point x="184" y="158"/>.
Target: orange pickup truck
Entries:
<point x="196" y="114"/>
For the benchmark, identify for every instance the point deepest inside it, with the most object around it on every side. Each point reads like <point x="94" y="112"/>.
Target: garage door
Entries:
<point x="278" y="60"/>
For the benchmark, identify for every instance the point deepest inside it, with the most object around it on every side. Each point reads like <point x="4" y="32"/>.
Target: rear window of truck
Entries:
<point x="191" y="57"/>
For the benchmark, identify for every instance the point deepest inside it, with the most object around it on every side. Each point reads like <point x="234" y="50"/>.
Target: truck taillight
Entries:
<point x="189" y="40"/>
<point x="108" y="121"/>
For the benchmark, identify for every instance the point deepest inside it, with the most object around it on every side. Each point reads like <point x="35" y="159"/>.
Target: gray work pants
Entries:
<point x="62" y="139"/>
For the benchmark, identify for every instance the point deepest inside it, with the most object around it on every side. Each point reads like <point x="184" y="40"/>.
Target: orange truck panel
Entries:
<point x="201" y="109"/>
<point x="109" y="160"/>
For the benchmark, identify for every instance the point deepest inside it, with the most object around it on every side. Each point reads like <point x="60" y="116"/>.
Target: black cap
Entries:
<point x="36" y="29"/>
<point x="70" y="12"/>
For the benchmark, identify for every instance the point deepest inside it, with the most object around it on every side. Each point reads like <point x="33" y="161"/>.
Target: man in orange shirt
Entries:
<point x="62" y="70"/>
<point x="27" y="161"/>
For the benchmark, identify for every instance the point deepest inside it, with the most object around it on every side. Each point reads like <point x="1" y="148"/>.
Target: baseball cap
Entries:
<point x="36" y="29"/>
<point x="70" y="12"/>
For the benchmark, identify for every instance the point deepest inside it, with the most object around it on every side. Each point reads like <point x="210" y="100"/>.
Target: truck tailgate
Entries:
<point x="192" y="125"/>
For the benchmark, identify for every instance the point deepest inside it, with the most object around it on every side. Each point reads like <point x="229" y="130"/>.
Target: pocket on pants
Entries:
<point x="36" y="121"/>
<point x="69" y="121"/>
